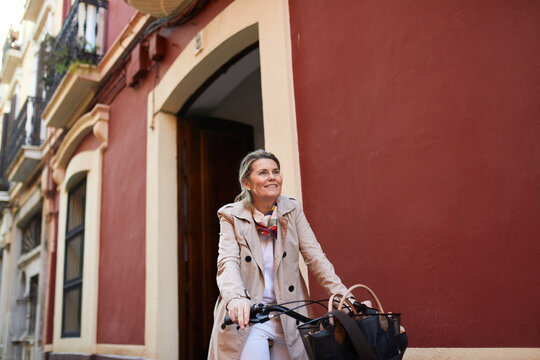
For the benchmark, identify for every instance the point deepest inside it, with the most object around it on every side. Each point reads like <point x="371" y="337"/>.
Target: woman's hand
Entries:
<point x="239" y="310"/>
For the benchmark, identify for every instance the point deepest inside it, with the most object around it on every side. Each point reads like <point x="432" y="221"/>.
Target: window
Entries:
<point x="31" y="233"/>
<point x="32" y="300"/>
<point x="73" y="264"/>
<point x="1" y="267"/>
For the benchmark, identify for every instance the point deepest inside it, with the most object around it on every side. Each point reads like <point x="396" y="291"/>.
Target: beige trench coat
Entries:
<point x="240" y="272"/>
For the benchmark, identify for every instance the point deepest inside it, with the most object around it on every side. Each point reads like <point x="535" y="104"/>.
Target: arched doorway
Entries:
<point x="238" y="26"/>
<point x="217" y="126"/>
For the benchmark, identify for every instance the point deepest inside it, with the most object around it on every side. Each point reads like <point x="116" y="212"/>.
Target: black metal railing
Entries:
<point x="4" y="183"/>
<point x="76" y="43"/>
<point x="26" y="129"/>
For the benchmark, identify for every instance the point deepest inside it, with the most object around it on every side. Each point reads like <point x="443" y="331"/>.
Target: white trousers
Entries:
<point x="256" y="346"/>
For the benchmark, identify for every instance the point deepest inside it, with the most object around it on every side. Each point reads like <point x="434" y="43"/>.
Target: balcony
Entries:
<point x="80" y="42"/>
<point x="70" y="76"/>
<point x="165" y="8"/>
<point x="4" y="183"/>
<point x="11" y="56"/>
<point x="24" y="141"/>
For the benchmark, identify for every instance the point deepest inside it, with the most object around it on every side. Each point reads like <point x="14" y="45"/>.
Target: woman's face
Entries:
<point x="264" y="181"/>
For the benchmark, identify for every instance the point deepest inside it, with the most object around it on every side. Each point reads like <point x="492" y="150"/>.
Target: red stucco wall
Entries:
<point x="121" y="303"/>
<point x="123" y="210"/>
<point x="418" y="125"/>
<point x="118" y="13"/>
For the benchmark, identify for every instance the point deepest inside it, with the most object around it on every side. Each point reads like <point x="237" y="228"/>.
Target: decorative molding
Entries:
<point x="41" y="21"/>
<point x="78" y="356"/>
<point x="58" y="175"/>
<point x="101" y="131"/>
<point x="95" y="121"/>
<point x="29" y="257"/>
<point x="121" y="350"/>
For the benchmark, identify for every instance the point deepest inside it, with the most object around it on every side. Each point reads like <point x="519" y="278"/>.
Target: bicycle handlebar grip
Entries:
<point x="255" y="308"/>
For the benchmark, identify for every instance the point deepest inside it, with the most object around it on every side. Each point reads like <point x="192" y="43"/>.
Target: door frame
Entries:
<point x="196" y="217"/>
<point x="241" y="24"/>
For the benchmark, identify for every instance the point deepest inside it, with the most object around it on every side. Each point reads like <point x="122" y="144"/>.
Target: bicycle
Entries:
<point x="326" y="325"/>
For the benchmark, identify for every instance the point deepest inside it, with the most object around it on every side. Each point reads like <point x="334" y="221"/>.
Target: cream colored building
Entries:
<point x="23" y="240"/>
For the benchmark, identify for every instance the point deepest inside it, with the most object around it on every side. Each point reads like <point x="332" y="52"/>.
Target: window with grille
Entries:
<point x="31" y="233"/>
<point x="73" y="264"/>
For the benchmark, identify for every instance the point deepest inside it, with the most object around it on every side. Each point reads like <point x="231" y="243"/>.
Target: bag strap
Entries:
<point x="346" y="295"/>
<point x="355" y="334"/>
<point x="334" y="297"/>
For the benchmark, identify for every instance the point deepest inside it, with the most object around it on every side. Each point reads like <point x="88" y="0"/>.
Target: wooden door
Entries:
<point x="210" y="151"/>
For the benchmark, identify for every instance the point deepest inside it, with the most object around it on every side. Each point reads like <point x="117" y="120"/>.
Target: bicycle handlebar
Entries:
<point x="255" y="310"/>
<point x="260" y="313"/>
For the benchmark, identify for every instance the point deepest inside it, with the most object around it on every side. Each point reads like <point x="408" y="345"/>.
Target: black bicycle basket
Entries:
<point x="326" y="338"/>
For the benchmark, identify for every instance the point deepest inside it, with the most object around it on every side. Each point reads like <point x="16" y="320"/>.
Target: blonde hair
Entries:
<point x="245" y="172"/>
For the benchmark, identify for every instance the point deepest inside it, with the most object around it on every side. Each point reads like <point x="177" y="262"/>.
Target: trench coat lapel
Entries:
<point x="284" y="207"/>
<point x="279" y="245"/>
<point x="249" y="232"/>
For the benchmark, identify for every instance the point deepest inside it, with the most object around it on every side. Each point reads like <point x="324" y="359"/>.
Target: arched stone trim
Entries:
<point x="84" y="164"/>
<point x="96" y="121"/>
<point x="239" y="25"/>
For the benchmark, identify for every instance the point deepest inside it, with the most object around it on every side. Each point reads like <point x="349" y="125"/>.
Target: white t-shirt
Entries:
<point x="267" y="246"/>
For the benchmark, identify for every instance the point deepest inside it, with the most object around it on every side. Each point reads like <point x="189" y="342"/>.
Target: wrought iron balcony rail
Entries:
<point x="26" y="130"/>
<point x="4" y="183"/>
<point x="81" y="40"/>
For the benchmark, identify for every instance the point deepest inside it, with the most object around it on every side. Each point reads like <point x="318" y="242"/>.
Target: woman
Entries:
<point x="261" y="237"/>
